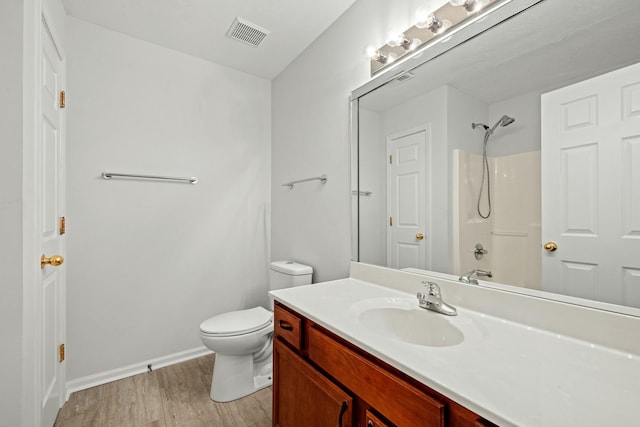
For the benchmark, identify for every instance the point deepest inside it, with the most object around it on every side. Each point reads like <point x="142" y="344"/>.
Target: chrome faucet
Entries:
<point x="432" y="300"/>
<point x="479" y="273"/>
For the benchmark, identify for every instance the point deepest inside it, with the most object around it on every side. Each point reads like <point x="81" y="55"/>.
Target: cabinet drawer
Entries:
<point x="400" y="402"/>
<point x="288" y="326"/>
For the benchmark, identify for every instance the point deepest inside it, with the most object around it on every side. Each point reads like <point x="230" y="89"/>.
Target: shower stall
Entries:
<point x="496" y="205"/>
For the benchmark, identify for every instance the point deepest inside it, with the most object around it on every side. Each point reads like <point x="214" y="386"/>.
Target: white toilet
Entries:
<point x="242" y="339"/>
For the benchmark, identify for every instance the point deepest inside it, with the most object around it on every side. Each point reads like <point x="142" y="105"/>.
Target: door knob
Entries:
<point x="55" y="260"/>
<point x="550" y="246"/>
<point x="419" y="236"/>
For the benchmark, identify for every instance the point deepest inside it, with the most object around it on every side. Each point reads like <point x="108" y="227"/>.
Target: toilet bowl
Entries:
<point x="242" y="340"/>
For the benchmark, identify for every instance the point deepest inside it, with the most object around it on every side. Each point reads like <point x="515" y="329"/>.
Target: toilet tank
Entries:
<point x="287" y="274"/>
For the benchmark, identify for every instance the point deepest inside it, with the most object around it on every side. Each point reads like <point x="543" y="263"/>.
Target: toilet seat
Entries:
<point x="238" y="322"/>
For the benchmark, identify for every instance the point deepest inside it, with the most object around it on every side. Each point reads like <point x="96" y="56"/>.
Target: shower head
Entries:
<point x="504" y="121"/>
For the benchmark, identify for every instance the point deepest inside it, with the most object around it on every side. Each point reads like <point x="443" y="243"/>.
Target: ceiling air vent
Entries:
<point x="246" y="32"/>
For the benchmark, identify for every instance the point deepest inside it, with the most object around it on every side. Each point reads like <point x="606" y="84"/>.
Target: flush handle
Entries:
<point x="55" y="260"/>
<point x="550" y="246"/>
<point x="419" y="236"/>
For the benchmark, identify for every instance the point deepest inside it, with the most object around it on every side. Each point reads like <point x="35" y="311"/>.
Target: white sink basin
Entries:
<point x="401" y="319"/>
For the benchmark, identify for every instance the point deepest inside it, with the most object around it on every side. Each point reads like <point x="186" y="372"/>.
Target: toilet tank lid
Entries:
<point x="291" y="268"/>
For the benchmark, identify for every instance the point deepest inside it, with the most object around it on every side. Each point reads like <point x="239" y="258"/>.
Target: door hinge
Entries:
<point x="390" y="159"/>
<point x="63" y="226"/>
<point x="390" y="221"/>
<point x="61" y="353"/>
<point x="62" y="99"/>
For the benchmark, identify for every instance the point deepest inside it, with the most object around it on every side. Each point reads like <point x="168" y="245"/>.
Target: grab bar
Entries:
<point x="290" y="184"/>
<point x="109" y="175"/>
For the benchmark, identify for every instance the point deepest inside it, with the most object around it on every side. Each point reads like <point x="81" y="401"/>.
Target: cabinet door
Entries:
<point x="304" y="397"/>
<point x="398" y="401"/>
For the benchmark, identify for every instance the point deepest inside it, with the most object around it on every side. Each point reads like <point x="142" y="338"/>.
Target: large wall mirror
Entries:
<point x="516" y="152"/>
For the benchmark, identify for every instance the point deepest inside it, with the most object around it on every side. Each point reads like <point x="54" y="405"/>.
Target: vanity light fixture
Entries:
<point x="430" y="26"/>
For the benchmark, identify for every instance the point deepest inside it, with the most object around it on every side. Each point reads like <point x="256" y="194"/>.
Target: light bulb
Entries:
<point x="421" y="17"/>
<point x="402" y="41"/>
<point x="397" y="39"/>
<point x="414" y="44"/>
<point x="390" y="58"/>
<point x="375" y="55"/>
<point x="370" y="51"/>
<point x="432" y="23"/>
<point x="469" y="5"/>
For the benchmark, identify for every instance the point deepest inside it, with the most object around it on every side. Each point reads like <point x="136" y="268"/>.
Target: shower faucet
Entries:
<point x="479" y="273"/>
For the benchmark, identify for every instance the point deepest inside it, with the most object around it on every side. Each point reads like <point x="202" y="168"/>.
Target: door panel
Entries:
<point x="631" y="187"/>
<point x="591" y="141"/>
<point x="50" y="170"/>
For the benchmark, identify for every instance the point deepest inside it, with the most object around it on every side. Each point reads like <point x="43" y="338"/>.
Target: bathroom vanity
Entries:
<point x="321" y="380"/>
<point x="359" y="351"/>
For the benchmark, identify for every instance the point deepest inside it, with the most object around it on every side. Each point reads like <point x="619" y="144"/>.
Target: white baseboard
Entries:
<point x="135" y="369"/>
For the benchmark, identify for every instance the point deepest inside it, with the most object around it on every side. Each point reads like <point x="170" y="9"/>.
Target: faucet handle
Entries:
<point x="432" y="288"/>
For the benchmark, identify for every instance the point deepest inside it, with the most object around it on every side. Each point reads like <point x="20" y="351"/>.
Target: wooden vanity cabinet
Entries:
<point x="305" y="396"/>
<point x="322" y="380"/>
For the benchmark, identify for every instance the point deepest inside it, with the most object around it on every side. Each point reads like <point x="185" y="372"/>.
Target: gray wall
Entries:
<point x="310" y="120"/>
<point x="148" y="261"/>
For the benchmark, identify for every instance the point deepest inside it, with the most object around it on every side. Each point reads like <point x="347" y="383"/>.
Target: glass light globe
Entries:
<point x="470" y="5"/>
<point x="421" y="17"/>
<point x="396" y="39"/>
<point x="370" y="51"/>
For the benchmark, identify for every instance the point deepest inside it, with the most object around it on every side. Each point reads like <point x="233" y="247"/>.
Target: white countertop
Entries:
<point x="509" y="373"/>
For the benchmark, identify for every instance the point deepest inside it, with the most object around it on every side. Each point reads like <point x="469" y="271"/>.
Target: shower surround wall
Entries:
<point x="511" y="235"/>
<point x="148" y="261"/>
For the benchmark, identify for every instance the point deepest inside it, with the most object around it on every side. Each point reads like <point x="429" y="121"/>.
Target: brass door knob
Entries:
<point x="551" y="246"/>
<point x="419" y="236"/>
<point x="55" y="260"/>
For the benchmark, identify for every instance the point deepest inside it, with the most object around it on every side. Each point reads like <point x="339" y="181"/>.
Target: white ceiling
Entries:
<point x="198" y="27"/>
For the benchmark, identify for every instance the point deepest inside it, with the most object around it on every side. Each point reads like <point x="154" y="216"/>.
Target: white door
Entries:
<point x="591" y="141"/>
<point x="51" y="206"/>
<point x="407" y="236"/>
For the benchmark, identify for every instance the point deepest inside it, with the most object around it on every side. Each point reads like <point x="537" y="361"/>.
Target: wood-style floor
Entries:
<point x="177" y="395"/>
